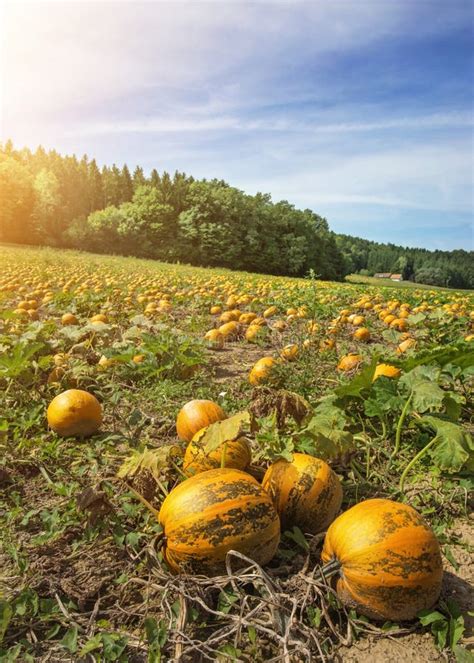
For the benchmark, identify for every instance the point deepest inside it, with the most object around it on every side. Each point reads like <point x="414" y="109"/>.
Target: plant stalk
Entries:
<point x="415" y="460"/>
<point x="401" y="421"/>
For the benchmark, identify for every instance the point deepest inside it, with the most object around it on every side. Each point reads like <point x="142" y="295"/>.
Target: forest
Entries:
<point x="63" y="201"/>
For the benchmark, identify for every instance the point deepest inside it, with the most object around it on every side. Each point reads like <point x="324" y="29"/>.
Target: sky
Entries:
<point x="361" y="110"/>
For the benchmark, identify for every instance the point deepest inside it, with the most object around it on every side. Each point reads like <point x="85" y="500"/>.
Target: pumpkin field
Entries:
<point x="208" y="465"/>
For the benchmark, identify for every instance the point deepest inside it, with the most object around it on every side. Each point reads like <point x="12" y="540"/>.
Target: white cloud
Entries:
<point x="74" y="55"/>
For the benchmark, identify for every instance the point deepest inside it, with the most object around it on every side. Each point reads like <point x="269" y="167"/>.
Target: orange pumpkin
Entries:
<point x="75" y="413"/>
<point x="213" y="512"/>
<point x="362" y="334"/>
<point x="290" y="352"/>
<point x="386" y="370"/>
<point x="197" y="414"/>
<point x="388" y="558"/>
<point x="233" y="453"/>
<point x="69" y="319"/>
<point x="261" y="370"/>
<point x="349" y="362"/>
<point x="306" y="492"/>
<point x="215" y="339"/>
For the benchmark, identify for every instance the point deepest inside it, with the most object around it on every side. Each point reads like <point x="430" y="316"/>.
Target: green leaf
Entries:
<point x="455" y="447"/>
<point x="156" y="633"/>
<point x="296" y="535"/>
<point x="384" y="398"/>
<point x="463" y="655"/>
<point x="322" y="439"/>
<point x="69" y="640"/>
<point x="227" y="430"/>
<point x="153" y="460"/>
<point x="416" y="318"/>
<point x="453" y="404"/>
<point x="91" y="645"/>
<point x="360" y="382"/>
<point x="418" y="375"/>
<point x="114" y="646"/>
<point x="461" y="355"/>
<point x="225" y="601"/>
<point x="440" y="631"/>
<point x="252" y="634"/>
<point x="427" y="396"/>
<point x="429" y="616"/>
<point x="6" y="613"/>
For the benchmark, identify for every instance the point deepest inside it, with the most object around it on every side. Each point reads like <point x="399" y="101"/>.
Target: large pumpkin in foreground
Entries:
<point x="306" y="492"/>
<point x="234" y="454"/>
<point x="197" y="414"/>
<point x="389" y="560"/>
<point x="75" y="413"/>
<point x="214" y="512"/>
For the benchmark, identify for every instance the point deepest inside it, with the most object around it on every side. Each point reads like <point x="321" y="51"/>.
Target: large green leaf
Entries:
<point x="455" y="446"/>
<point x="153" y="460"/>
<point x="422" y="381"/>
<point x="384" y="397"/>
<point x="427" y="396"/>
<point x="229" y="429"/>
<point x="461" y="355"/>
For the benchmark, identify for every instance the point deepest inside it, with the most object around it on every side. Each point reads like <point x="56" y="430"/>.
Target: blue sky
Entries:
<point x="361" y="110"/>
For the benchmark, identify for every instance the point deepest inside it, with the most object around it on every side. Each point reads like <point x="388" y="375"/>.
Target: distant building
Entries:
<point x="388" y="275"/>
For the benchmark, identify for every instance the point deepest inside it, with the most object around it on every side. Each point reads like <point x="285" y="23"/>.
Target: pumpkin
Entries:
<point x="74" y="413"/>
<point x="254" y="332"/>
<point x="305" y="491"/>
<point x="215" y="339"/>
<point x="387" y="371"/>
<point x="213" y="512"/>
<point x="290" y="352"/>
<point x="362" y="334"/>
<point x="233" y="453"/>
<point x="388" y="560"/>
<point x="271" y="310"/>
<point x="69" y="319"/>
<point x="99" y="317"/>
<point x="197" y="414"/>
<point x="261" y="370"/>
<point x="349" y="362"/>
<point x="229" y="329"/>
<point x="405" y="345"/>
<point x="247" y="318"/>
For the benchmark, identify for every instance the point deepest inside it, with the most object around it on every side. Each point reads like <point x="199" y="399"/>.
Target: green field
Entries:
<point x="86" y="572"/>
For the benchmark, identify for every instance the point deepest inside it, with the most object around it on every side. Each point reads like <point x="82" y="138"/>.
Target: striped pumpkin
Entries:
<point x="388" y="560"/>
<point x="213" y="512"/>
<point x="305" y="492"/>
<point x="234" y="454"/>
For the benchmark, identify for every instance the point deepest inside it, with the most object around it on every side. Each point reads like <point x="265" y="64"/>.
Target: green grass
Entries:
<point x="371" y="280"/>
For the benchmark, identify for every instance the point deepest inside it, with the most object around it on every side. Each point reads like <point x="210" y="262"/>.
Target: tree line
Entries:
<point x="454" y="269"/>
<point x="63" y="201"/>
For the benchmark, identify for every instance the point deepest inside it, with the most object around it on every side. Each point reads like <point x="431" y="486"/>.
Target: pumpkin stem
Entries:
<point x="224" y="454"/>
<point x="330" y="569"/>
